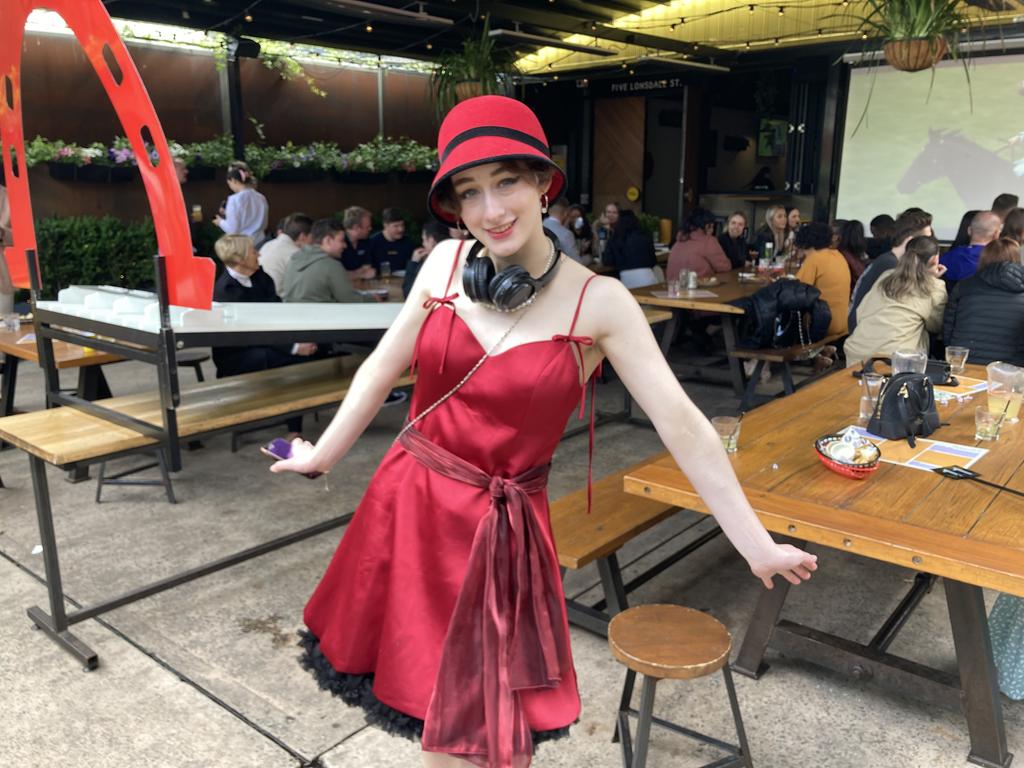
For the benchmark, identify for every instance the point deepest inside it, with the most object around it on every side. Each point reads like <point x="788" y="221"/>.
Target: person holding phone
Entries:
<point x="442" y="612"/>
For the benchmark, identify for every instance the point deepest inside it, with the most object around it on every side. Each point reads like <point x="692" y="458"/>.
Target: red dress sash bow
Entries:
<point x="505" y="633"/>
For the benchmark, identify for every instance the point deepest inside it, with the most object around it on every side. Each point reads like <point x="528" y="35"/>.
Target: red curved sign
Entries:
<point x="189" y="279"/>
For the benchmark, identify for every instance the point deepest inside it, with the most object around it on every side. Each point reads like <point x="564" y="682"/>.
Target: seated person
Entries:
<point x="554" y="223"/>
<point x="962" y="261"/>
<point x="390" y="246"/>
<point x="630" y="251"/>
<point x="776" y="232"/>
<point x="963" y="233"/>
<point x="851" y="243"/>
<point x="1003" y="204"/>
<point x="433" y="233"/>
<point x="316" y="273"/>
<point x="292" y="234"/>
<point x="901" y="308"/>
<point x="825" y="269"/>
<point x="356" y="222"/>
<point x="243" y="280"/>
<point x="910" y="224"/>
<point x="985" y="312"/>
<point x="1013" y="225"/>
<point x="576" y="220"/>
<point x="883" y="229"/>
<point x="734" y="240"/>
<point x="695" y="250"/>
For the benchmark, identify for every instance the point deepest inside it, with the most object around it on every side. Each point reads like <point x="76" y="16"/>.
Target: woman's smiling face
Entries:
<point x="500" y="205"/>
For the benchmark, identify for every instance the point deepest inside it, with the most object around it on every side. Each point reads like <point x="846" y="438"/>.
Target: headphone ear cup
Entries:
<point x="511" y="287"/>
<point x="477" y="274"/>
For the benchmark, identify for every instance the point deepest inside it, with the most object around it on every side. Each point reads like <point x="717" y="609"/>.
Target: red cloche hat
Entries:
<point x="487" y="129"/>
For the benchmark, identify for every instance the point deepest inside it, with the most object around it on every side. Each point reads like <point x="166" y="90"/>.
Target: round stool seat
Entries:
<point x="191" y="356"/>
<point x="669" y="641"/>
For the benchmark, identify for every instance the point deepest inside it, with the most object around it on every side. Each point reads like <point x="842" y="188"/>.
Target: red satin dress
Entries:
<point x="443" y="602"/>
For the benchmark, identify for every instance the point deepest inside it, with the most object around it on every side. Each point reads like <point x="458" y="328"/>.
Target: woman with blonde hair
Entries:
<point x="775" y="231"/>
<point x="246" y="211"/>
<point x="902" y="307"/>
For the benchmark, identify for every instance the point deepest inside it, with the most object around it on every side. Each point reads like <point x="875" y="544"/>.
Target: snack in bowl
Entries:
<point x="707" y="282"/>
<point x="848" y="454"/>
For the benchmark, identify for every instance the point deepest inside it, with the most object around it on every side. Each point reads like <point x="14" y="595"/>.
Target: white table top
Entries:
<point x="141" y="311"/>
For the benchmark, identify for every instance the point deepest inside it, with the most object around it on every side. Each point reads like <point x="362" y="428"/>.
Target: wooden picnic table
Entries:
<point x="20" y="345"/>
<point x="393" y="286"/>
<point x="728" y="289"/>
<point x="969" y="534"/>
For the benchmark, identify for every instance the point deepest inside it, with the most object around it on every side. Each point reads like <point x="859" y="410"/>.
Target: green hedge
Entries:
<point x="86" y="250"/>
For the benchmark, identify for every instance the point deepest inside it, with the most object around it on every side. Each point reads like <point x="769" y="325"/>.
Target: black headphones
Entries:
<point x="508" y="289"/>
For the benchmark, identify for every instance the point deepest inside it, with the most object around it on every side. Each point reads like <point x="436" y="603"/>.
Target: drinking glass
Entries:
<point x="872" y="388"/>
<point x="1005" y="390"/>
<point x="12" y="322"/>
<point x="986" y="423"/>
<point x="385" y="270"/>
<point x="673" y="289"/>
<point x="957" y="359"/>
<point x="908" y="361"/>
<point x="728" y="429"/>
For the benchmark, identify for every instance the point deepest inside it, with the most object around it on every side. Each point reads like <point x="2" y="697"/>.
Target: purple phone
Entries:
<point x="279" y="448"/>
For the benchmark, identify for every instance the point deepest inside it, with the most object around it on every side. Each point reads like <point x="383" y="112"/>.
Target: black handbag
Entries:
<point x="905" y="409"/>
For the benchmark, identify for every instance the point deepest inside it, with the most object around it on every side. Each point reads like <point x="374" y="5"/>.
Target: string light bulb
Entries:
<point x="775" y="41"/>
<point x="369" y="27"/>
<point x="746" y="44"/>
<point x="751" y="7"/>
<point x="632" y="72"/>
<point x="430" y="46"/>
<point x="782" y="10"/>
<point x="248" y="17"/>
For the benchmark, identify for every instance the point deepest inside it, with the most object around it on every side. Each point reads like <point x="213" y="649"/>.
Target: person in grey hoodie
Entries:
<point x="315" y="273"/>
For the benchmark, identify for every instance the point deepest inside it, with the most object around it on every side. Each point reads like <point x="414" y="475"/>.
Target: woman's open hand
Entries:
<point x="793" y="564"/>
<point x="301" y="460"/>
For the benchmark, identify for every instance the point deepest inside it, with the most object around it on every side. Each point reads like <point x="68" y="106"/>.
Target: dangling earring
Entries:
<point x="544" y="203"/>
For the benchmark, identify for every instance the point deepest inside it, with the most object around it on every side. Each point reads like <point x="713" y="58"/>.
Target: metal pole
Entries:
<point x="380" y="97"/>
<point x="233" y="83"/>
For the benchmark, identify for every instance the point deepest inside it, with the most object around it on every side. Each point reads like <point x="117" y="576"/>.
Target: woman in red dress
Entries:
<point x="442" y="612"/>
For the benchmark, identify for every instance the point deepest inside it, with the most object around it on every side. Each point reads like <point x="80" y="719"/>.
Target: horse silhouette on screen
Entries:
<point x="975" y="172"/>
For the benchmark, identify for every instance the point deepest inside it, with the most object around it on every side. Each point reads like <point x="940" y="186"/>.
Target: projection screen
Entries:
<point x="933" y="153"/>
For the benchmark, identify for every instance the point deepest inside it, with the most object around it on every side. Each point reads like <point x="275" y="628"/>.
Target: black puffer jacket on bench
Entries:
<point x="770" y="314"/>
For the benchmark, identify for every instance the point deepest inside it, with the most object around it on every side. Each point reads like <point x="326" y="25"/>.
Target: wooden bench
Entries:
<point x="783" y="356"/>
<point x="615" y="519"/>
<point x="69" y="438"/>
<point x="66" y="437"/>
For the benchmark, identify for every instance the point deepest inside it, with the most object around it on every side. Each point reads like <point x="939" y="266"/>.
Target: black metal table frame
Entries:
<point x="157" y="349"/>
<point x="683" y="371"/>
<point x="975" y="690"/>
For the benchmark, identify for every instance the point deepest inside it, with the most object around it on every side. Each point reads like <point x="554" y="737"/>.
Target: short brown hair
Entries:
<point x="353" y="215"/>
<point x="1013" y="225"/>
<point x="998" y="251"/>
<point x="910" y="223"/>
<point x="445" y="192"/>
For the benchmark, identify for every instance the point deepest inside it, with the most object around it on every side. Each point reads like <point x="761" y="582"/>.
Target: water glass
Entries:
<point x="385" y="270"/>
<point x="867" y="409"/>
<point x="957" y="359"/>
<point x="673" y="289"/>
<point x="12" y="322"/>
<point x="986" y="423"/>
<point x="908" y="361"/>
<point x="728" y="429"/>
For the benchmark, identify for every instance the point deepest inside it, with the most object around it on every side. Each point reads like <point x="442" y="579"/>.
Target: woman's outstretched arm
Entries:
<point x="625" y="338"/>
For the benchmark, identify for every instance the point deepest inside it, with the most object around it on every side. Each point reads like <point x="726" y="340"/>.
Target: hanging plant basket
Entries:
<point x="916" y="54"/>
<point x="295" y="175"/>
<point x="202" y="173"/>
<point x="359" y="177"/>
<point x="94" y="174"/>
<point x="61" y="171"/>
<point x="119" y="173"/>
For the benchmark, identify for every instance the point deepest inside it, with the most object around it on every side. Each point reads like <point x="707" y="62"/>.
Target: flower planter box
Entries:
<point x="359" y="177"/>
<point x="415" y="177"/>
<point x="94" y="174"/>
<point x="295" y="175"/>
<point x="123" y="173"/>
<point x="62" y="171"/>
<point x="202" y="173"/>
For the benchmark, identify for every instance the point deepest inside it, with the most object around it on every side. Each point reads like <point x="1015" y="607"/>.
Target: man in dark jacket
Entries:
<point x="985" y="312"/>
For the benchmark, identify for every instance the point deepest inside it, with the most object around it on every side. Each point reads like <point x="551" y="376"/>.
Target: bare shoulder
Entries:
<point x="607" y="305"/>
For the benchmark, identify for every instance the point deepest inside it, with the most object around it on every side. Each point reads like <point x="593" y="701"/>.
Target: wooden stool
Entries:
<point x="670" y="641"/>
<point x="193" y="358"/>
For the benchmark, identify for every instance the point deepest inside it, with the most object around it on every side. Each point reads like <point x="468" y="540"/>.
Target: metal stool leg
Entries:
<point x="165" y="477"/>
<point x="741" y="733"/>
<point x="643" y="725"/>
<point x="622" y="734"/>
<point x="199" y="372"/>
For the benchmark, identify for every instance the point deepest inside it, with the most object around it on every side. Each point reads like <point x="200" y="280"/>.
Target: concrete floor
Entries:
<point x="205" y="675"/>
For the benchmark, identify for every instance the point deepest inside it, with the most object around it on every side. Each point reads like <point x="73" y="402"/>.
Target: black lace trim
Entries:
<point x="357" y="691"/>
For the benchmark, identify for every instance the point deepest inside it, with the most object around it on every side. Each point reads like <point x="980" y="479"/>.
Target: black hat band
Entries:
<point x="495" y="130"/>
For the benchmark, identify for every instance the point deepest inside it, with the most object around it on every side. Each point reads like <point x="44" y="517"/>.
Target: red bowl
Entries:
<point x="846" y="469"/>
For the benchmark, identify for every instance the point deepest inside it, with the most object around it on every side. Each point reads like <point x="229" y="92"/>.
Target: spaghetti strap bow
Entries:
<point x="504" y="636"/>
<point x="430" y="305"/>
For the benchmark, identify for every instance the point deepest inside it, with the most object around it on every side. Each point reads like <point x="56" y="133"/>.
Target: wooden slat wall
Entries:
<point x="618" y="150"/>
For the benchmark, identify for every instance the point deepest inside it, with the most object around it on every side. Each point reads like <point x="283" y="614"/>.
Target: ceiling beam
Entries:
<point x="562" y="22"/>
